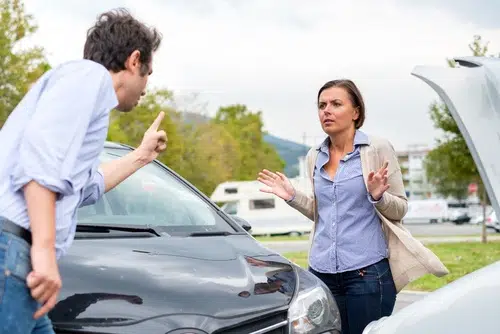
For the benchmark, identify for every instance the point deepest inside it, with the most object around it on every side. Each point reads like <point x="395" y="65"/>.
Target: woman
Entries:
<point x="357" y="205"/>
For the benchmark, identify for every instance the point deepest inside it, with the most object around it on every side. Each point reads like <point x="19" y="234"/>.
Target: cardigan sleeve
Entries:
<point x="393" y="204"/>
<point x="302" y="202"/>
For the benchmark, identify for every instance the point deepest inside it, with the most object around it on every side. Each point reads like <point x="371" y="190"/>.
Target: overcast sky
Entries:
<point x="274" y="55"/>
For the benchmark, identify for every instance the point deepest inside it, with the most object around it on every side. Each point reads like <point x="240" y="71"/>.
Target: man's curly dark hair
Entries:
<point x="115" y="35"/>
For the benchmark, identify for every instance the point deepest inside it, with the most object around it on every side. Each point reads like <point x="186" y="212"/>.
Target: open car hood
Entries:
<point x="472" y="93"/>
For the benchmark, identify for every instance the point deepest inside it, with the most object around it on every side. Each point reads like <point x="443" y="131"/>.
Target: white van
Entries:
<point x="426" y="211"/>
<point x="267" y="213"/>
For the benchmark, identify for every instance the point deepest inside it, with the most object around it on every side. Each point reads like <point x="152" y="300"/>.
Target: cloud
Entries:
<point x="274" y="55"/>
<point x="481" y="13"/>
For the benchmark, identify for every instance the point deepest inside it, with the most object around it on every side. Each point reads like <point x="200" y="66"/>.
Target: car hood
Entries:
<point x="123" y="281"/>
<point x="472" y="94"/>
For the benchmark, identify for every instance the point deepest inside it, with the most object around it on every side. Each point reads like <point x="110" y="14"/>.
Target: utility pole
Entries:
<point x="483" y="203"/>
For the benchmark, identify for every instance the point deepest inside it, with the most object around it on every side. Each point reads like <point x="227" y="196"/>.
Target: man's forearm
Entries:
<point x="41" y="206"/>
<point x="115" y="171"/>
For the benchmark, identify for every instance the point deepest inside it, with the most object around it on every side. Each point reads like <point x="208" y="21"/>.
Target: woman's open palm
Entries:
<point x="277" y="183"/>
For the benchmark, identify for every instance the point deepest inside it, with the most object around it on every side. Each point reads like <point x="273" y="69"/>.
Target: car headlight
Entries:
<point x="314" y="310"/>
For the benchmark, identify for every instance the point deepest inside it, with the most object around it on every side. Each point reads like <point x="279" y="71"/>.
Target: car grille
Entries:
<point x="268" y="324"/>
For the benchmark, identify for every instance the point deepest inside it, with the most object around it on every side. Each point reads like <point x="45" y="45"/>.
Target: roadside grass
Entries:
<point x="461" y="258"/>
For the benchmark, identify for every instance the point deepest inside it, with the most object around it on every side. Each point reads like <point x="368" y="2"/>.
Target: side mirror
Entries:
<point x="242" y="222"/>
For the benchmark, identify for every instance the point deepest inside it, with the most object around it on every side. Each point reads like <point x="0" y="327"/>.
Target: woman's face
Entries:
<point x="336" y="111"/>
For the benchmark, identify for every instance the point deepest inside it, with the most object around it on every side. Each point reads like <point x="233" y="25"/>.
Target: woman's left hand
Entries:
<point x="377" y="182"/>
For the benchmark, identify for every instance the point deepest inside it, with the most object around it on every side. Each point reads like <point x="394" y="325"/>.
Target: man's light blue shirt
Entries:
<point x="54" y="137"/>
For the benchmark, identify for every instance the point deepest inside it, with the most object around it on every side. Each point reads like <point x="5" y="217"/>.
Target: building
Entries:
<point x="411" y="162"/>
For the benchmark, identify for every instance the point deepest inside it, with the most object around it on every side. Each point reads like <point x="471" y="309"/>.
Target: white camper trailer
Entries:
<point x="267" y="213"/>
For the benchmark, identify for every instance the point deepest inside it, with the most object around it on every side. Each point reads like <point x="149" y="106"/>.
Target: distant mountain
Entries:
<point x="288" y="150"/>
<point x="193" y="118"/>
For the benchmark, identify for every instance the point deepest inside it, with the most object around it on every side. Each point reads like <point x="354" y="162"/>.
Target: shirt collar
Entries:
<point x="360" y="138"/>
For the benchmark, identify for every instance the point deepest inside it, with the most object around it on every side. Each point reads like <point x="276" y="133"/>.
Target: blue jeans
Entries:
<point x="16" y="304"/>
<point x="362" y="295"/>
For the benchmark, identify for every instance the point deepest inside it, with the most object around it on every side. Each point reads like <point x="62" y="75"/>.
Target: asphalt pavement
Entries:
<point x="445" y="229"/>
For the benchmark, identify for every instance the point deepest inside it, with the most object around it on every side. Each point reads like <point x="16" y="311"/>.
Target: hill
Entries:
<point x="289" y="151"/>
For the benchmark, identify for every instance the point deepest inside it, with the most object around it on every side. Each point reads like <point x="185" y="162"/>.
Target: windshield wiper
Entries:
<point x="210" y="233"/>
<point x="108" y="228"/>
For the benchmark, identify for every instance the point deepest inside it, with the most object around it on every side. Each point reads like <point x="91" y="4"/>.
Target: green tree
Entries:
<point x="19" y="67"/>
<point x="450" y="166"/>
<point x="254" y="153"/>
<point x="209" y="155"/>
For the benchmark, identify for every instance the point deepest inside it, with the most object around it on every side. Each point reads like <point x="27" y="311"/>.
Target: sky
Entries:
<point x="273" y="56"/>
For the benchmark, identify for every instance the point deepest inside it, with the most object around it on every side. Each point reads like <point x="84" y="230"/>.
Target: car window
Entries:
<point x="262" y="204"/>
<point x="153" y="196"/>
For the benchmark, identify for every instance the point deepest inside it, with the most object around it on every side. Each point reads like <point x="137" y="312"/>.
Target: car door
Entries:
<point x="472" y="93"/>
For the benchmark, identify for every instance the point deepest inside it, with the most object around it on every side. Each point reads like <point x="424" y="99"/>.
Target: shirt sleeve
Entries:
<point x="56" y="129"/>
<point x="94" y="190"/>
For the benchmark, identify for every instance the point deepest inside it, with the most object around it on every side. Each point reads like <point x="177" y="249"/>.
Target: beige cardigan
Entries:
<point x="409" y="258"/>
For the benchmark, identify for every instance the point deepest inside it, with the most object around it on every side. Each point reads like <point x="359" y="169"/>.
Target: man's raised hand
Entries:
<point x="154" y="140"/>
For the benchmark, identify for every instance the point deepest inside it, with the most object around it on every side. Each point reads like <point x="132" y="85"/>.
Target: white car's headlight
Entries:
<point x="314" y="310"/>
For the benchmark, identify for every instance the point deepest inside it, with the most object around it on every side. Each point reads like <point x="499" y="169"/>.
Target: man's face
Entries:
<point x="134" y="82"/>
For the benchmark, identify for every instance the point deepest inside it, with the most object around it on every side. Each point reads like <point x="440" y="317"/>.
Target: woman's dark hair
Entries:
<point x="354" y="95"/>
<point x="115" y="35"/>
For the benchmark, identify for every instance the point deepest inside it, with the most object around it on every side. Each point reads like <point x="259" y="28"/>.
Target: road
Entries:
<point x="444" y="229"/>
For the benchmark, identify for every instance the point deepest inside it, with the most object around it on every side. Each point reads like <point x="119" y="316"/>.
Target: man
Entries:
<point x="49" y="153"/>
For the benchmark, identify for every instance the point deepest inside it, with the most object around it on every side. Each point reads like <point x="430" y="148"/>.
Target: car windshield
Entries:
<point x="153" y="197"/>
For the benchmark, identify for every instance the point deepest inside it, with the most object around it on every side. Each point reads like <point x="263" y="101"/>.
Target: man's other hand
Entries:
<point x="44" y="281"/>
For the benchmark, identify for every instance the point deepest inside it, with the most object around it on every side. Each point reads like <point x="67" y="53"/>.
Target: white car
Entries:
<point x="469" y="304"/>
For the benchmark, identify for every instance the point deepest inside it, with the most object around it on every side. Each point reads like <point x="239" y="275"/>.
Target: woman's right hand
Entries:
<point x="277" y="183"/>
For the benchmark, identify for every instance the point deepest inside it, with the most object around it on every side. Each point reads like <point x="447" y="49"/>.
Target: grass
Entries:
<point x="459" y="258"/>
